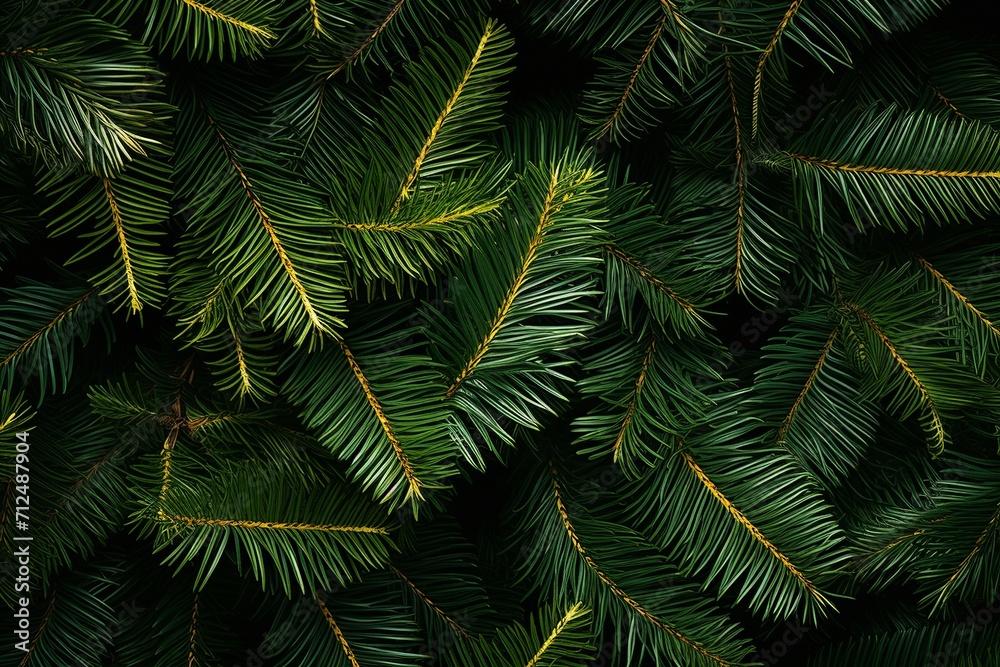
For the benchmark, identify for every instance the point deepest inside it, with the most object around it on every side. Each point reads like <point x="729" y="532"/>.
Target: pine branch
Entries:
<point x="42" y="344"/>
<point x="375" y="402"/>
<point x="790" y="13"/>
<point x="282" y="531"/>
<point x="569" y="552"/>
<point x="542" y="267"/>
<point x="200" y="30"/>
<point x="131" y="211"/>
<point x="880" y="163"/>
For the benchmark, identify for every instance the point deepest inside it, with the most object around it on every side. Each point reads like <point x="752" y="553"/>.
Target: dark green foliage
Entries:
<point x="349" y="333"/>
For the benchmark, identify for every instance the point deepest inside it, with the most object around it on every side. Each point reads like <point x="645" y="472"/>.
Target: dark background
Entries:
<point x="544" y="67"/>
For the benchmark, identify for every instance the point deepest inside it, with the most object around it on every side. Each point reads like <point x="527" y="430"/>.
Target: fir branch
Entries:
<point x="654" y="38"/>
<point x="937" y="425"/>
<point x="746" y="523"/>
<point x="824" y="353"/>
<point x="225" y="18"/>
<point x="790" y="13"/>
<point x="614" y="588"/>
<point x="544" y="222"/>
<point x="348" y="651"/>
<point x="414" y="484"/>
<point x="405" y="190"/>
<point x="367" y="40"/>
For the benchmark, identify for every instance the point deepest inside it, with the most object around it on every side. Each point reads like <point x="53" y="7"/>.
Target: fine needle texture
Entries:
<point x="477" y="333"/>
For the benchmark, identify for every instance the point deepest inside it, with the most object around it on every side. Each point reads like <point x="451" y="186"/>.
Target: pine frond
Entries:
<point x="375" y="401"/>
<point x="354" y="41"/>
<point x="230" y="332"/>
<point x="257" y="435"/>
<point x="130" y="211"/>
<point x="362" y="49"/>
<point x="435" y="123"/>
<point x="962" y="279"/>
<point x="948" y="546"/>
<point x="223" y="432"/>
<point x="632" y="86"/>
<point x="572" y="555"/>
<point x="779" y="564"/>
<point x="362" y="624"/>
<point x="958" y="644"/>
<point x="896" y="168"/>
<point x="326" y="126"/>
<point x="809" y="395"/>
<point x="793" y="9"/>
<point x="164" y="621"/>
<point x="717" y="183"/>
<point x="74" y="620"/>
<point x="905" y="344"/>
<point x="39" y="325"/>
<point x="183" y="628"/>
<point x="922" y="70"/>
<point x="830" y="32"/>
<point x="265" y="231"/>
<point x="880" y="502"/>
<point x="595" y="25"/>
<point x="964" y="82"/>
<point x="441" y="582"/>
<point x="373" y="34"/>
<point x="639" y="262"/>
<point x="651" y="389"/>
<point x="80" y="94"/>
<point x="202" y="29"/>
<point x="760" y="240"/>
<point x="558" y="638"/>
<point x="310" y="539"/>
<point x="505" y="345"/>
<point x="429" y="230"/>
<point x="244" y="362"/>
<point x="127" y="403"/>
<point x="81" y="489"/>
<point x="543" y="134"/>
<point x="967" y="569"/>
